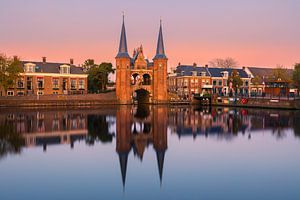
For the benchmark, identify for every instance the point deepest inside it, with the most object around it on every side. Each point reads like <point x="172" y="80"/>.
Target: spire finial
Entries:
<point x="123" y="53"/>
<point x="123" y="15"/>
<point x="160" y="50"/>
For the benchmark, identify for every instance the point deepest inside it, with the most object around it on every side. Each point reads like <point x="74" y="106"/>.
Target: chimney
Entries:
<point x="179" y="64"/>
<point x="206" y="66"/>
<point x="244" y="68"/>
<point x="44" y="59"/>
<point x="71" y="61"/>
<point x="195" y="65"/>
<point x="15" y="58"/>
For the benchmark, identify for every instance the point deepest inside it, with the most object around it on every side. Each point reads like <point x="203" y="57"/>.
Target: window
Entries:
<point x="185" y="82"/>
<point x="65" y="69"/>
<point x="40" y="93"/>
<point x="20" y="93"/>
<point x="29" y="83"/>
<point x="214" y="82"/>
<point x="40" y="83"/>
<point x="10" y="93"/>
<point x="225" y="74"/>
<point x="225" y="83"/>
<point x="220" y="82"/>
<point x="55" y="82"/>
<point x="203" y="73"/>
<point x="246" y="83"/>
<point x="73" y="84"/>
<point x="20" y="83"/>
<point x="81" y="84"/>
<point x="29" y="68"/>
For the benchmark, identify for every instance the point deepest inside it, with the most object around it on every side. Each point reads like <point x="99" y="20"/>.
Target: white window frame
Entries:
<point x="10" y="93"/>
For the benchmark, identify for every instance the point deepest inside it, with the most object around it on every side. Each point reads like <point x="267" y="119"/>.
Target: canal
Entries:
<point x="149" y="152"/>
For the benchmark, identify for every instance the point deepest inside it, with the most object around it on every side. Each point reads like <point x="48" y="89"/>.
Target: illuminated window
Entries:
<point x="81" y="84"/>
<point x="55" y="83"/>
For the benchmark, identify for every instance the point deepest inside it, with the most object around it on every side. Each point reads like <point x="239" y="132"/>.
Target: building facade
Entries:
<point x="221" y="83"/>
<point x="188" y="80"/>
<point x="45" y="78"/>
<point x="264" y="83"/>
<point x="138" y="79"/>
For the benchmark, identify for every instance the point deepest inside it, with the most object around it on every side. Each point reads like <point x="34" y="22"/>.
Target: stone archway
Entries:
<point x="141" y="96"/>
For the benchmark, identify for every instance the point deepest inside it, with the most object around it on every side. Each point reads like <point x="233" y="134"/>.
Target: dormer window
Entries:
<point x="224" y="74"/>
<point x="30" y="68"/>
<point x="182" y="73"/>
<point x="65" y="69"/>
<point x="194" y="73"/>
<point x="203" y="73"/>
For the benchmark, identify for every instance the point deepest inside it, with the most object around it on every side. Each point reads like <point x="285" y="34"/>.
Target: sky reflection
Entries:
<point x="174" y="152"/>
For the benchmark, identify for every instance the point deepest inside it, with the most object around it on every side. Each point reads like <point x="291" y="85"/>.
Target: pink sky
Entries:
<point x="255" y="33"/>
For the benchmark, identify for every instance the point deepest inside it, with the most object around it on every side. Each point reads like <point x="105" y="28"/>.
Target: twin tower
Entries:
<point x="138" y="79"/>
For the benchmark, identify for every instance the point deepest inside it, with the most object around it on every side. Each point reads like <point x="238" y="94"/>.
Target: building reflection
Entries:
<point x="44" y="128"/>
<point x="138" y="128"/>
<point x="221" y="122"/>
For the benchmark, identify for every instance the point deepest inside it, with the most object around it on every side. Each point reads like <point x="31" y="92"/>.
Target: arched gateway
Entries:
<point x="138" y="79"/>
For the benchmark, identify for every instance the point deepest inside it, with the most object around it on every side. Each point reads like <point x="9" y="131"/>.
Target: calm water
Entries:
<point x="152" y="152"/>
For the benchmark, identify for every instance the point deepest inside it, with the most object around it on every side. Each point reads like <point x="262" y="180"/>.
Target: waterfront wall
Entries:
<point x="90" y="100"/>
<point x="59" y="100"/>
<point x="260" y="103"/>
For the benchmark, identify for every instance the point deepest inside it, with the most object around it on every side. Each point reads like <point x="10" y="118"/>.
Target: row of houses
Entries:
<point x="189" y="80"/>
<point x="47" y="78"/>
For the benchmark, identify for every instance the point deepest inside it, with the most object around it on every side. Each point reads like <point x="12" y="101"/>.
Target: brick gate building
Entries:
<point x="139" y="79"/>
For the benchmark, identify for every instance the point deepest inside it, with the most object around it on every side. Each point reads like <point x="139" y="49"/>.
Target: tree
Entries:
<point x="10" y="69"/>
<point x="98" y="129"/>
<point x="224" y="63"/>
<point x="280" y="73"/>
<point x="296" y="76"/>
<point x="88" y="64"/>
<point x="235" y="80"/>
<point x="98" y="76"/>
<point x="10" y="141"/>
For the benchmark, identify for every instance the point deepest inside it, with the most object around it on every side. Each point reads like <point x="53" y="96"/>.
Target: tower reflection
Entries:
<point x="137" y="128"/>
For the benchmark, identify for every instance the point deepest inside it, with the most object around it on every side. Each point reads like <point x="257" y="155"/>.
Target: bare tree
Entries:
<point x="224" y="63"/>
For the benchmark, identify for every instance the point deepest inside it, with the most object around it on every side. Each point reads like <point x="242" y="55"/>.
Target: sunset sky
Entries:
<point x="254" y="32"/>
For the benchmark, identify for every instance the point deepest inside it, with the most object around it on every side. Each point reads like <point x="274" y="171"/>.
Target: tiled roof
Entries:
<point x="217" y="72"/>
<point x="265" y="72"/>
<point x="47" y="67"/>
<point x="187" y="70"/>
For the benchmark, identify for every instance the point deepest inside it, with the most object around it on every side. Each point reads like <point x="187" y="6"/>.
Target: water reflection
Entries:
<point x="137" y="128"/>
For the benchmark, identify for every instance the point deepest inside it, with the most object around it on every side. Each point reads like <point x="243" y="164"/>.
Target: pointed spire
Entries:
<point x="160" y="156"/>
<point x="123" y="157"/>
<point x="123" y="52"/>
<point x="160" y="50"/>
